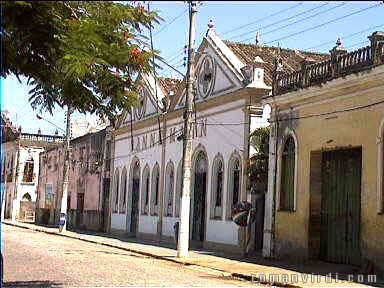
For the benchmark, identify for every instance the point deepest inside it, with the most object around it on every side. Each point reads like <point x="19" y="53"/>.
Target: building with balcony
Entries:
<point x="325" y="191"/>
<point x="20" y="169"/>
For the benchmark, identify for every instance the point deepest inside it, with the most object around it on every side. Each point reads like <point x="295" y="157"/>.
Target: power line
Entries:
<point x="280" y="21"/>
<point x="324" y="23"/>
<point x="262" y="19"/>
<point x="346" y="37"/>
<point x="175" y="57"/>
<point x="172" y="21"/>
<point x="298" y="21"/>
<point x="171" y="66"/>
<point x="176" y="51"/>
<point x="306" y="116"/>
<point x="356" y="44"/>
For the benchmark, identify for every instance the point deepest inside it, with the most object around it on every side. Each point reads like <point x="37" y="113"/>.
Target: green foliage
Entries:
<point x="259" y="162"/>
<point x="85" y="55"/>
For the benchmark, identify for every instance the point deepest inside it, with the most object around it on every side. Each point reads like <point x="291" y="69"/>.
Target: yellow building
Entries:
<point x="325" y="190"/>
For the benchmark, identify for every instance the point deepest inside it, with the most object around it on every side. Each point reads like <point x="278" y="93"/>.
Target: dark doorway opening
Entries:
<point x="199" y="197"/>
<point x="135" y="198"/>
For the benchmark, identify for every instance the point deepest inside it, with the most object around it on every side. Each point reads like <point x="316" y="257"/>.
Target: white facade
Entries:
<point x="22" y="164"/>
<point x="220" y="151"/>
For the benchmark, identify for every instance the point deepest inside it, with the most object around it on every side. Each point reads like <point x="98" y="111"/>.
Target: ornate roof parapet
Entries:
<point x="338" y="49"/>
<point x="276" y="73"/>
<point x="377" y="41"/>
<point x="257" y="38"/>
<point x="211" y="27"/>
<point x="340" y="64"/>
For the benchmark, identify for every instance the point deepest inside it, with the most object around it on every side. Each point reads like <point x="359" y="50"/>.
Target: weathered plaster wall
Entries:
<point x="355" y="128"/>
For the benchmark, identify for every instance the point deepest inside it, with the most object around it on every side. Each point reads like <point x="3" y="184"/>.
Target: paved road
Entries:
<point x="35" y="259"/>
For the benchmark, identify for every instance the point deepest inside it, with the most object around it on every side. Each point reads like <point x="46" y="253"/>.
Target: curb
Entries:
<point x="186" y="263"/>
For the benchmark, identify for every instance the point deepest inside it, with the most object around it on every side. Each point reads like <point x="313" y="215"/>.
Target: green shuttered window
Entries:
<point x="287" y="182"/>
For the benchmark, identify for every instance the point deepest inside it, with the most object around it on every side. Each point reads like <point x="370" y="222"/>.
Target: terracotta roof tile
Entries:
<point x="291" y="58"/>
<point x="169" y="84"/>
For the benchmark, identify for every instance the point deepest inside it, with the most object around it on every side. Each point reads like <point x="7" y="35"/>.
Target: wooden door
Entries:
<point x="340" y="206"/>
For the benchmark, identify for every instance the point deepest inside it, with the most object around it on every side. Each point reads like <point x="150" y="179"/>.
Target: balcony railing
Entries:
<point x="337" y="66"/>
<point x="41" y="138"/>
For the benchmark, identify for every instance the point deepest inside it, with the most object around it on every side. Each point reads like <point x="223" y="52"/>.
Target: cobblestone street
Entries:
<point x="35" y="259"/>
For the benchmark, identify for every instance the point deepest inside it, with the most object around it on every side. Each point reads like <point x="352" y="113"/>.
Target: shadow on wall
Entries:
<point x="32" y="284"/>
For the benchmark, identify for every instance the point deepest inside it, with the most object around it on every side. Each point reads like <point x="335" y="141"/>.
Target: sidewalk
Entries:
<point x="262" y="271"/>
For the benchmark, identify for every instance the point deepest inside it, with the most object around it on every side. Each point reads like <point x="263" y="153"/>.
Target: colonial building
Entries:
<point x="147" y="152"/>
<point x="325" y="192"/>
<point x="88" y="183"/>
<point x="20" y="169"/>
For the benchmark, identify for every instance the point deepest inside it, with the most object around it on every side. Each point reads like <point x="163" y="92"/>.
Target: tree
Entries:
<point x="259" y="162"/>
<point x="84" y="55"/>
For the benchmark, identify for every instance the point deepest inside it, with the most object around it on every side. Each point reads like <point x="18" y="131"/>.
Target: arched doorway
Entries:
<point x="199" y="196"/>
<point x="135" y="197"/>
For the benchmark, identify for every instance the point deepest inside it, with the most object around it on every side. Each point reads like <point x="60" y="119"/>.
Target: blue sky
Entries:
<point x="298" y="25"/>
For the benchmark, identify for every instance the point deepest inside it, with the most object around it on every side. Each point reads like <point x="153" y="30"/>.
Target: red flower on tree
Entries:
<point x="126" y="36"/>
<point x="141" y="9"/>
<point x="135" y="53"/>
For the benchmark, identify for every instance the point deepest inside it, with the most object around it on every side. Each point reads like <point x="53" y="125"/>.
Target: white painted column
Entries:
<point x="269" y="197"/>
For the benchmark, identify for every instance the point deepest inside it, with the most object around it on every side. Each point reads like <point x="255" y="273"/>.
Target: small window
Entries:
<point x="287" y="181"/>
<point x="28" y="175"/>
<point x="145" y="192"/>
<point x="155" y="190"/>
<point x="169" y="185"/>
<point x="234" y="181"/>
<point x="217" y="188"/>
<point x="178" y="190"/>
<point x="123" y="189"/>
<point x="116" y="191"/>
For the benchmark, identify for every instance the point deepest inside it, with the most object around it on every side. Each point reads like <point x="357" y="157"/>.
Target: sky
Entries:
<point x="314" y="26"/>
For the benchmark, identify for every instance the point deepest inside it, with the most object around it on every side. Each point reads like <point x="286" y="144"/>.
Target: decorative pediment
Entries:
<point x="150" y="100"/>
<point x="218" y="71"/>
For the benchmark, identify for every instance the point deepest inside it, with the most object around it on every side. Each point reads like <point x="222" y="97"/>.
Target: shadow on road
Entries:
<point x="32" y="284"/>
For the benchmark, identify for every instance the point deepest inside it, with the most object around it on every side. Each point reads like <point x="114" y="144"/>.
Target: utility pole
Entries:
<point x="64" y="197"/>
<point x="183" y="243"/>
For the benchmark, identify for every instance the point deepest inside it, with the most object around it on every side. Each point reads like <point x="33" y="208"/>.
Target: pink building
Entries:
<point x="87" y="198"/>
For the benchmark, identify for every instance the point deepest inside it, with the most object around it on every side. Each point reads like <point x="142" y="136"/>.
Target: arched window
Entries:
<point x="178" y="191"/>
<point x="123" y="191"/>
<point x="234" y="180"/>
<point x="116" y="191"/>
<point x="169" y="185"/>
<point x="26" y="197"/>
<point x="217" y="188"/>
<point x="287" y="176"/>
<point x="145" y="192"/>
<point x="28" y="176"/>
<point x="155" y="190"/>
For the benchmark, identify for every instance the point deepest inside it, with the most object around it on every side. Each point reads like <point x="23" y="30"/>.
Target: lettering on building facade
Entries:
<point x="197" y="130"/>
